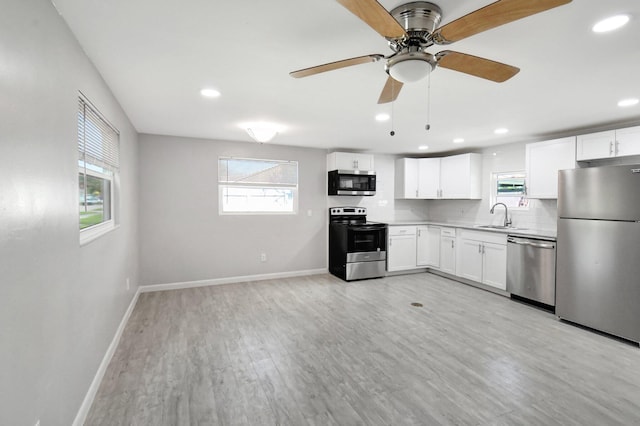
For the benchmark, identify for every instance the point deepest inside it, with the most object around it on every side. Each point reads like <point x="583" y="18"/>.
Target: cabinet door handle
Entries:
<point x="419" y="231"/>
<point x="479" y="248"/>
<point x="483" y="249"/>
<point x="611" y="149"/>
<point x="451" y="243"/>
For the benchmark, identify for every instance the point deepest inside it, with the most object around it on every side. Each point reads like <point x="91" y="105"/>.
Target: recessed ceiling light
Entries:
<point x="501" y="131"/>
<point x="628" y="102"/>
<point x="610" y="24"/>
<point x="458" y="140"/>
<point x="210" y="93"/>
<point x="382" y="117"/>
<point x="423" y="147"/>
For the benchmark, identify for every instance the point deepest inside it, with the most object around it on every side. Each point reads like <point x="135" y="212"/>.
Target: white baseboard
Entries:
<point x="229" y="280"/>
<point x="102" y="368"/>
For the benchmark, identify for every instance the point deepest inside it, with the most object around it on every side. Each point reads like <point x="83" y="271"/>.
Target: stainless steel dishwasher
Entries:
<point x="531" y="268"/>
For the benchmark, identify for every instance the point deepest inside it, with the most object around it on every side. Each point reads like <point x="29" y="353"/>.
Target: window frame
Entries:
<point x="89" y="168"/>
<point x="493" y="196"/>
<point x="222" y="185"/>
<point x="94" y="231"/>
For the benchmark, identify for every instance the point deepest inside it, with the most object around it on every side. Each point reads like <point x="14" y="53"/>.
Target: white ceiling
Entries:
<point x="156" y="55"/>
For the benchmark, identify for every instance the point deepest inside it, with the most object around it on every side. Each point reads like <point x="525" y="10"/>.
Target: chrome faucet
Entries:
<point x="507" y="221"/>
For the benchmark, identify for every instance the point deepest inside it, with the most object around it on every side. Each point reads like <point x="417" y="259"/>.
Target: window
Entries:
<point x="257" y="186"/>
<point x="509" y="188"/>
<point x="98" y="164"/>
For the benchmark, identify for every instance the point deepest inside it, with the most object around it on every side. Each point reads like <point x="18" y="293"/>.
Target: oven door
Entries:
<point x="366" y="243"/>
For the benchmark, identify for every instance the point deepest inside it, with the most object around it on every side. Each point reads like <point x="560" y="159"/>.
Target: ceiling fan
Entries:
<point x="411" y="28"/>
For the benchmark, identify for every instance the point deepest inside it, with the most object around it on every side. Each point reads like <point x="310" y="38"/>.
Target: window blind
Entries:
<point x="243" y="171"/>
<point x="98" y="142"/>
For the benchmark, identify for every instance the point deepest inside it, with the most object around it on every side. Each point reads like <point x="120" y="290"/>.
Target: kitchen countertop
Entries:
<point x="525" y="232"/>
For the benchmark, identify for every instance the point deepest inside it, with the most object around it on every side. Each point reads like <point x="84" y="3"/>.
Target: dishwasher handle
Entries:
<point x="532" y="243"/>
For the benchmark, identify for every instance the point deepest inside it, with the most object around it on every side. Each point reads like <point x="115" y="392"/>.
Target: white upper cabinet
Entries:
<point x="596" y="145"/>
<point x="455" y="177"/>
<point x="628" y="141"/>
<point x="349" y="161"/>
<point x="460" y="176"/>
<point x="543" y="160"/>
<point x="406" y="178"/>
<point x="609" y="144"/>
<point x="429" y="178"/>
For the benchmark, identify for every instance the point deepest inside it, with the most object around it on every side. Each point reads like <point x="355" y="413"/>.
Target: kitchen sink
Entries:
<point x="496" y="227"/>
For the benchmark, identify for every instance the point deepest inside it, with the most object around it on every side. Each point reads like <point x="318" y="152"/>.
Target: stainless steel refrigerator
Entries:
<point x="598" y="249"/>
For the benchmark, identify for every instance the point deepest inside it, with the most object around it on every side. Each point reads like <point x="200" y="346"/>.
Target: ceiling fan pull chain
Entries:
<point x="393" y="87"/>
<point x="428" y="126"/>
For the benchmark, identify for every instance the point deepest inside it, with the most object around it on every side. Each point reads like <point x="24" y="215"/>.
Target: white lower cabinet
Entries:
<point x="494" y="265"/>
<point x="428" y="246"/>
<point x="448" y="250"/>
<point x="401" y="248"/>
<point x="475" y="255"/>
<point x="482" y="257"/>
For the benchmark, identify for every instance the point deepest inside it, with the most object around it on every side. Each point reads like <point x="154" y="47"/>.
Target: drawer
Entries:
<point x="484" y="236"/>
<point x="447" y="232"/>
<point x="402" y="230"/>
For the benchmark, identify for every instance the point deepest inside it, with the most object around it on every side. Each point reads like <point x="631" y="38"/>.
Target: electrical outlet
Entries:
<point x="263" y="257"/>
<point x="128" y="283"/>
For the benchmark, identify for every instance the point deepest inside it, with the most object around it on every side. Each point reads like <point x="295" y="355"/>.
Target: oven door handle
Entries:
<point x="367" y="228"/>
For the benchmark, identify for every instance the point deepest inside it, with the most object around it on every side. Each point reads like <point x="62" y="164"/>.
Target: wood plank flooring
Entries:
<point x="318" y="351"/>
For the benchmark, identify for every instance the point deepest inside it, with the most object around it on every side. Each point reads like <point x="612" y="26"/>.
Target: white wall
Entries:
<point x="542" y="214"/>
<point x="183" y="238"/>
<point x="60" y="304"/>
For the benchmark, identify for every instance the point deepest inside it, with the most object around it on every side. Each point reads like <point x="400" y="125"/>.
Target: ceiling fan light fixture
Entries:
<point x="409" y="67"/>
<point x="261" y="132"/>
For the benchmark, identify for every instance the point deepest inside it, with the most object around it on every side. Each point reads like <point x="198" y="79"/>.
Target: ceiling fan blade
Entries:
<point x="476" y="66"/>
<point x="390" y="91"/>
<point x="376" y="16"/>
<point x="491" y="16"/>
<point x="335" y="65"/>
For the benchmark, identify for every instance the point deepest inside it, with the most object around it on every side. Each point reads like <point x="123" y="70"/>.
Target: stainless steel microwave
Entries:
<point x="352" y="182"/>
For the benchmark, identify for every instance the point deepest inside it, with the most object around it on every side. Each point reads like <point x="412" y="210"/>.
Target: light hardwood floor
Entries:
<point x="316" y="350"/>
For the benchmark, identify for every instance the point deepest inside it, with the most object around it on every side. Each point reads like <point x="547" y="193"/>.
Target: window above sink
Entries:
<point x="509" y="188"/>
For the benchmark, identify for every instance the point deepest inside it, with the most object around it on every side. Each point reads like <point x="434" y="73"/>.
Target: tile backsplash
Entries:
<point x="542" y="214"/>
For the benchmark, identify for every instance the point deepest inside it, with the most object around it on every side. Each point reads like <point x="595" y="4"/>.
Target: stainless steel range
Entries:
<point x="357" y="248"/>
